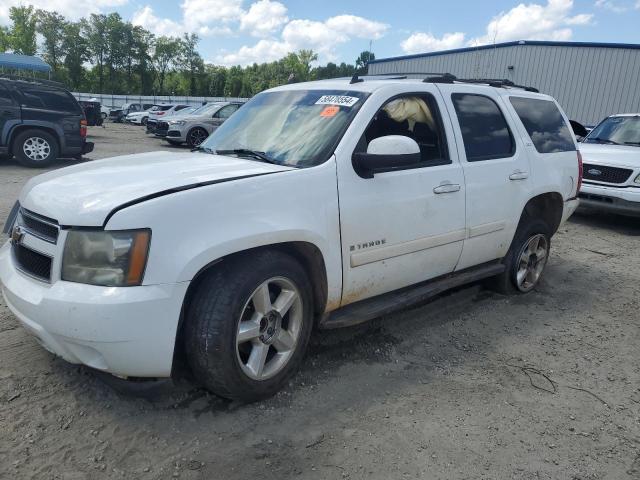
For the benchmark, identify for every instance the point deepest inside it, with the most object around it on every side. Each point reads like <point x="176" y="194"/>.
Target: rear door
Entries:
<point x="496" y="170"/>
<point x="45" y="105"/>
<point x="9" y="114"/>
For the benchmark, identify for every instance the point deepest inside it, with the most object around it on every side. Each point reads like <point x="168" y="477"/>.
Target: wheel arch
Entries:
<point x="307" y="253"/>
<point x="17" y="130"/>
<point x="546" y="206"/>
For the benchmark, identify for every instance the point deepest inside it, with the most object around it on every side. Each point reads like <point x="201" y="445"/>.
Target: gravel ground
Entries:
<point x="472" y="385"/>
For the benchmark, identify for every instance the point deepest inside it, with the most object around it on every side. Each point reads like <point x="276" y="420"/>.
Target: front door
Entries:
<point x="404" y="226"/>
<point x="9" y="114"/>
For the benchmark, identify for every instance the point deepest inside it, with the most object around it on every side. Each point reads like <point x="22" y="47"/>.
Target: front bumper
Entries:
<point x="126" y="331"/>
<point x="621" y="201"/>
<point x="176" y="134"/>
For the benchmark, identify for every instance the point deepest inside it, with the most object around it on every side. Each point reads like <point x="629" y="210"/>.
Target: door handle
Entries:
<point x="446" y="188"/>
<point x="518" y="175"/>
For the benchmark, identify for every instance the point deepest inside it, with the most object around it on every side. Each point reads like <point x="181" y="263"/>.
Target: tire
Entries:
<point x="254" y="362"/>
<point x="174" y="142"/>
<point x="512" y="280"/>
<point x="144" y="120"/>
<point x="104" y="116"/>
<point x="196" y="136"/>
<point x="35" y="148"/>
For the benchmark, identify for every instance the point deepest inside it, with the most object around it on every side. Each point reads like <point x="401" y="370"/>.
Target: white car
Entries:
<point x="316" y="204"/>
<point x="139" y="118"/>
<point x="611" y="154"/>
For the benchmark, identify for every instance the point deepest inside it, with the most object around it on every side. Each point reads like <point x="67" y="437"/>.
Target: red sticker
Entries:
<point x="330" y="111"/>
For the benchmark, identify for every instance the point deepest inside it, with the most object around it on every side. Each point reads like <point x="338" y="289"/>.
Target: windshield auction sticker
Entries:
<point x="330" y="111"/>
<point x="341" y="100"/>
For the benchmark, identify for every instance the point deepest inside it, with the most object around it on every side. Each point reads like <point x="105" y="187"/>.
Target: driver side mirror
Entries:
<point x="384" y="154"/>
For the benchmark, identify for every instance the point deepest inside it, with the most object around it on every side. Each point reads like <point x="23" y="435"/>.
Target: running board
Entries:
<point x="371" y="308"/>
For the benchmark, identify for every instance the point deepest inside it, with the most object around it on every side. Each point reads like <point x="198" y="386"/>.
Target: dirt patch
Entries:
<point x="472" y="385"/>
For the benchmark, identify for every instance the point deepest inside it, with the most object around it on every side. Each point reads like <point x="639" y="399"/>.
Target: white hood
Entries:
<point x="84" y="195"/>
<point x="613" y="155"/>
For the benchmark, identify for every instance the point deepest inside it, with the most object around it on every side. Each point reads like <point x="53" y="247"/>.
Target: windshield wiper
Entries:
<point x="603" y="140"/>
<point x="632" y="143"/>
<point x="253" y="153"/>
<point x="200" y="148"/>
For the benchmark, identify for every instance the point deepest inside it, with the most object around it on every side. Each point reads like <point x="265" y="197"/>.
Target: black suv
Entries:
<point x="40" y="121"/>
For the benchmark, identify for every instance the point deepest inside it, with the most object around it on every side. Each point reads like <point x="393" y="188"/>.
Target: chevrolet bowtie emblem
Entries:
<point x="17" y="234"/>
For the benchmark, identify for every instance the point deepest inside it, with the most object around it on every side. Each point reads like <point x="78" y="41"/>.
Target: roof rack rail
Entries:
<point x="357" y="78"/>
<point x="32" y="80"/>
<point x="497" y="82"/>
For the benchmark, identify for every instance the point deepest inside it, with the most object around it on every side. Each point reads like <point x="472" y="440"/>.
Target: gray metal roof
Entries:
<point x="23" y="62"/>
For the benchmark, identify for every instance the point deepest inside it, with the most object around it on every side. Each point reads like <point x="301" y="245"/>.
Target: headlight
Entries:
<point x="111" y="259"/>
<point x="637" y="180"/>
<point x="177" y="122"/>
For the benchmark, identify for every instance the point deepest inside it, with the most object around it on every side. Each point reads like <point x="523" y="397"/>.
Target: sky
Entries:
<point x="241" y="32"/>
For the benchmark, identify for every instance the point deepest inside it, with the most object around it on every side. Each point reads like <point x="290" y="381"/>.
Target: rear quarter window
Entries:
<point x="49" y="99"/>
<point x="544" y="124"/>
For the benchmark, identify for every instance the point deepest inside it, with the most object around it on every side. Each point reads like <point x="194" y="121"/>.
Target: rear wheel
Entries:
<point x="526" y="259"/>
<point x="35" y="148"/>
<point x="196" y="136"/>
<point x="144" y="120"/>
<point x="248" y="325"/>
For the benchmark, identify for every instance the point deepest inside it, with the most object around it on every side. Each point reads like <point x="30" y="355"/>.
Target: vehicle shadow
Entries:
<point x="617" y="223"/>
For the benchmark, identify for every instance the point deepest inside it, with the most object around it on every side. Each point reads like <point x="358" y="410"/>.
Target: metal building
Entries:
<point x="589" y="80"/>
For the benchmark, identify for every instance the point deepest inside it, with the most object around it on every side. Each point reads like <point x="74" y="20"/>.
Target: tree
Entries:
<point x="23" y="31"/>
<point x="363" y="59"/>
<point x="75" y="47"/>
<point x="191" y="59"/>
<point x="165" y="54"/>
<point x="5" y="39"/>
<point x="95" y="32"/>
<point x="51" y="26"/>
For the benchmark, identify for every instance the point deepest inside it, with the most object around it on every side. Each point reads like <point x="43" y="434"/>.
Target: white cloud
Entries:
<point x="71" y="9"/>
<point x="614" y="6"/>
<point x="322" y="37"/>
<point x="358" y="27"/>
<point x="263" y="51"/>
<point x="205" y="16"/>
<point x="425" y="42"/>
<point x="534" y="22"/>
<point x="263" y="18"/>
<point x="160" y="26"/>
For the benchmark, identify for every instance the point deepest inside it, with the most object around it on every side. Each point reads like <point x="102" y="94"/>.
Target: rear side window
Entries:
<point x="49" y="99"/>
<point x="544" y="124"/>
<point x="484" y="129"/>
<point x="164" y="108"/>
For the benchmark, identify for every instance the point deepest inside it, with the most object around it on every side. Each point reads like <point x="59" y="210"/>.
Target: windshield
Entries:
<point x="617" y="130"/>
<point x="298" y="128"/>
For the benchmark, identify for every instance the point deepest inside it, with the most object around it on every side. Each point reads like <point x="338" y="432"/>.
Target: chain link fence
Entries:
<point x="116" y="101"/>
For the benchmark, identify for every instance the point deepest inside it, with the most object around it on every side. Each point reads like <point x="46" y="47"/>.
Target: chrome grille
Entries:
<point x="602" y="173"/>
<point x="32" y="263"/>
<point x="41" y="227"/>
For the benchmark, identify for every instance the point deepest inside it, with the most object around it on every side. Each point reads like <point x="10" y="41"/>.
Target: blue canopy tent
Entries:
<point x="23" y="62"/>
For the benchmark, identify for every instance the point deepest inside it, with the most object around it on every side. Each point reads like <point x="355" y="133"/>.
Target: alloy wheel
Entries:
<point x="531" y="262"/>
<point x="36" y="148"/>
<point x="197" y="136"/>
<point x="269" y="328"/>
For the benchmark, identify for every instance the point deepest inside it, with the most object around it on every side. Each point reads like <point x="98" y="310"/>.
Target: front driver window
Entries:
<point x="415" y="116"/>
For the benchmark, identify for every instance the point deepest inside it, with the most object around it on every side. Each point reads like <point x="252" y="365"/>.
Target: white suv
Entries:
<point x="611" y="154"/>
<point x="316" y="204"/>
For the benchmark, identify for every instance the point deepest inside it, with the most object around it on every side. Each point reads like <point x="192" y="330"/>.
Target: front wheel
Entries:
<point x="144" y="120"/>
<point x="248" y="325"/>
<point x="196" y="136"/>
<point x="526" y="259"/>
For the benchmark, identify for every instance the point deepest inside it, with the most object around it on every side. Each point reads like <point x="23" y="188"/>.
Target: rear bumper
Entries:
<point x="621" y="201"/>
<point x="127" y="331"/>
<point x="570" y="206"/>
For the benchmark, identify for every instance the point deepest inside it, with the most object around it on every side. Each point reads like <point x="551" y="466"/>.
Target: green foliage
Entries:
<point x="127" y="59"/>
<point x="22" y="35"/>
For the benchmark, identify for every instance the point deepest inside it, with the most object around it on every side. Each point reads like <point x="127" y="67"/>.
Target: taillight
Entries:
<point x="83" y="128"/>
<point x="160" y="113"/>
<point x="580" y="169"/>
